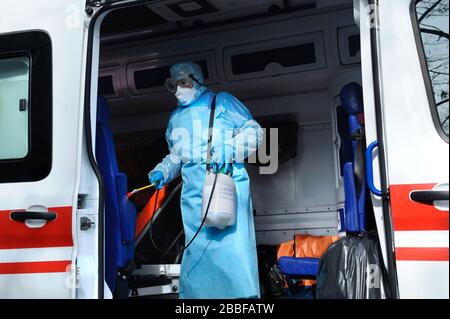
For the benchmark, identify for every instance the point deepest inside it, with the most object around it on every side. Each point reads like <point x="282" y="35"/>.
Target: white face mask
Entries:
<point x="186" y="95"/>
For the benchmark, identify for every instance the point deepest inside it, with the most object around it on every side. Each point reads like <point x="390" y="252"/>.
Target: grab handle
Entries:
<point x="369" y="168"/>
<point x="22" y="216"/>
<point x="429" y="196"/>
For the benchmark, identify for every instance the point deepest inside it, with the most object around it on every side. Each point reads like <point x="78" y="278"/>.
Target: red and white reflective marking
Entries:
<point x="35" y="267"/>
<point x="421" y="238"/>
<point x="35" y="254"/>
<point x="422" y="245"/>
<point x="26" y="250"/>
<point x="57" y="233"/>
<point x="421" y="231"/>
<point x="408" y="215"/>
<point x="422" y="254"/>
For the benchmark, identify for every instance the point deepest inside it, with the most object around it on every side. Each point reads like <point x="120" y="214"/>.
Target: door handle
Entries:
<point x="369" y="169"/>
<point x="22" y="216"/>
<point x="429" y="196"/>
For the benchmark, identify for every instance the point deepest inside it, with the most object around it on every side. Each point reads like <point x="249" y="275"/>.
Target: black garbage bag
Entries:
<point x="352" y="269"/>
<point x="270" y="277"/>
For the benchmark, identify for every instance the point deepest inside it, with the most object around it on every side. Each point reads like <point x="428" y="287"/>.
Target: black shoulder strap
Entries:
<point x="210" y="132"/>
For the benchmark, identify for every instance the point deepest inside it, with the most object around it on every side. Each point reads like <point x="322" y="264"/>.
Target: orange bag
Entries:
<point x="144" y="217"/>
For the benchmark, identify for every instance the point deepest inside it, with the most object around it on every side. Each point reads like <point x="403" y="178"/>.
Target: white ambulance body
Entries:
<point x="52" y="53"/>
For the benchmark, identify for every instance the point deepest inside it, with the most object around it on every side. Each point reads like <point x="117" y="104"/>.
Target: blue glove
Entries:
<point x="222" y="159"/>
<point x="157" y="178"/>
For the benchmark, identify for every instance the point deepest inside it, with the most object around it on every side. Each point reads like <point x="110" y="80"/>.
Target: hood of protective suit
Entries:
<point x="188" y="96"/>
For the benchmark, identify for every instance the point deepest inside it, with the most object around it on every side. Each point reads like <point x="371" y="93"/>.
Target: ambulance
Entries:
<point x="83" y="111"/>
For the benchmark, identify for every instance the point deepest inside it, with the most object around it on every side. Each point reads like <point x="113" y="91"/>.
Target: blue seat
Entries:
<point x="120" y="213"/>
<point x="354" y="170"/>
<point x="299" y="267"/>
<point x="353" y="150"/>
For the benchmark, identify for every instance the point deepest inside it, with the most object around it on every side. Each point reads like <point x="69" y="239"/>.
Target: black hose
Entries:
<point x="166" y="202"/>
<point x="174" y="242"/>
<point x="167" y="252"/>
<point x="206" y="213"/>
<point x="151" y="224"/>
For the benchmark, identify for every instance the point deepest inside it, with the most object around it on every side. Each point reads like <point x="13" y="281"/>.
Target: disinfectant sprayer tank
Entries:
<point x="222" y="210"/>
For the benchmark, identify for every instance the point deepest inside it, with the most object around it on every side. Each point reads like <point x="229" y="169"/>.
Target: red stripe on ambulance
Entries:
<point x="35" y="267"/>
<point x="413" y="216"/>
<point x="57" y="233"/>
<point x="421" y="254"/>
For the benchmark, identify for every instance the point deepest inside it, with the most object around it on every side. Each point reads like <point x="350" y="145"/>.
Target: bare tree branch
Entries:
<point x="425" y="14"/>
<point x="435" y="41"/>
<point x="442" y="102"/>
<point x="439" y="33"/>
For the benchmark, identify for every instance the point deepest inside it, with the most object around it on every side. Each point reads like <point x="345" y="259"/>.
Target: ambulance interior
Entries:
<point x="287" y="61"/>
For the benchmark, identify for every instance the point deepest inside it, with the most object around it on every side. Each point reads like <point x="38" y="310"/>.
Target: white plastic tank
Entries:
<point x="222" y="210"/>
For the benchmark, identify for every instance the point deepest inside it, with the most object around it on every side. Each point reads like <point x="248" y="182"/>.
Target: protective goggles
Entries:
<point x="172" y="84"/>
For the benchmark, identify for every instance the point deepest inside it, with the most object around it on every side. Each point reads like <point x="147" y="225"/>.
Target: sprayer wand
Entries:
<point x="135" y="191"/>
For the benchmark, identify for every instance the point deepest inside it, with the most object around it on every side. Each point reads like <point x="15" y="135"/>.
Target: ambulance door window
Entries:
<point x="433" y="26"/>
<point x="25" y="106"/>
<point x="14" y="114"/>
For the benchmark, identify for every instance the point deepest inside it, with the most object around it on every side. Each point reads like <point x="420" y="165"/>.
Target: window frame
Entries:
<point x="167" y="61"/>
<point x="343" y="35"/>
<point x="316" y="38"/>
<point x="114" y="72"/>
<point x="426" y="72"/>
<point x="37" y="164"/>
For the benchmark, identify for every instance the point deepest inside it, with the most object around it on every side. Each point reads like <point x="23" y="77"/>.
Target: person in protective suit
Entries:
<point x="218" y="264"/>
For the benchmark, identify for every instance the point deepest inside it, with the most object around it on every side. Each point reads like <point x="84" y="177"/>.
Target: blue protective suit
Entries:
<point x="219" y="263"/>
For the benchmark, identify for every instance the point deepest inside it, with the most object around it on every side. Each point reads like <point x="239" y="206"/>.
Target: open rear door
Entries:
<point x="411" y="77"/>
<point x="415" y="79"/>
<point x="42" y="69"/>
